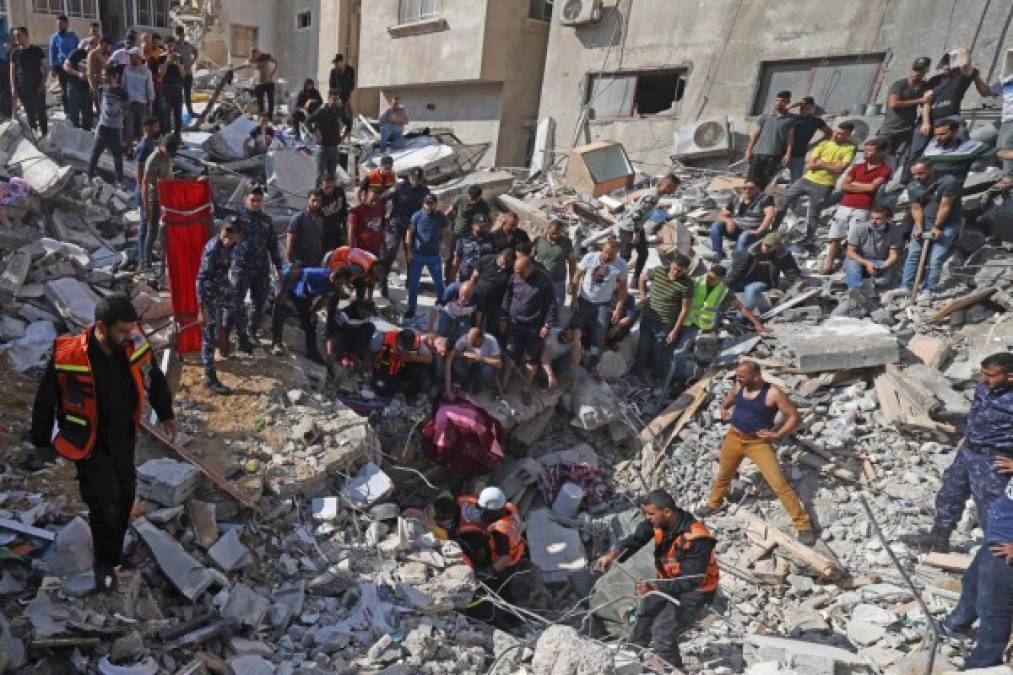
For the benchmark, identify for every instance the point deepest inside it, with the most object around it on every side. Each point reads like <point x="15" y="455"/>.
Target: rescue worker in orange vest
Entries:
<point x="93" y="390"/>
<point x="402" y="364"/>
<point x="687" y="571"/>
<point x="378" y="179"/>
<point x="364" y="267"/>
<point x="503" y="564"/>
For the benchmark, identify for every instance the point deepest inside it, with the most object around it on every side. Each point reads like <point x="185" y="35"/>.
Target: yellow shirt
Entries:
<point x="832" y="153"/>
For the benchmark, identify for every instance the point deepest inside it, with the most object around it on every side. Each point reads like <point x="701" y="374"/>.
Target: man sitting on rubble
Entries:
<point x="402" y="364"/>
<point x="752" y="406"/>
<point x="473" y="364"/>
<point x="747" y="218"/>
<point x="874" y="250"/>
<point x="561" y="352"/>
<point x="454" y="316"/>
<point x="666" y="306"/>
<point x="498" y="522"/>
<point x="983" y="453"/>
<point x="687" y="576"/>
<point x="600" y="275"/>
<point x="469" y="248"/>
<point x="758" y="269"/>
<point x="214" y="295"/>
<point x="303" y="291"/>
<point x="260" y="138"/>
<point x="630" y="225"/>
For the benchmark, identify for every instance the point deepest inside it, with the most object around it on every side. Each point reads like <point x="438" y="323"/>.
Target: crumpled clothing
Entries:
<point x="13" y="190"/>
<point x="595" y="482"/>
<point x="463" y="437"/>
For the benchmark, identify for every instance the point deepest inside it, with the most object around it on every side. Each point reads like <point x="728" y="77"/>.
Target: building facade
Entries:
<point x="648" y="67"/>
<point x="472" y="65"/>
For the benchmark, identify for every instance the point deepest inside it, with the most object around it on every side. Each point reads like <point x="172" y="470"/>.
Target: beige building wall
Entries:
<point x="475" y="68"/>
<point x="40" y="26"/>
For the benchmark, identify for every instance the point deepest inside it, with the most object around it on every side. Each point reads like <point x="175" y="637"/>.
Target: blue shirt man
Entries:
<point x="62" y="43"/>
<point x="425" y="235"/>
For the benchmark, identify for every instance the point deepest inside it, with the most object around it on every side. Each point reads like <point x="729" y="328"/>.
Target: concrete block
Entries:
<point x="561" y="651"/>
<point x="289" y="172"/>
<point x="324" y="508"/>
<point x="227" y="144"/>
<point x="44" y="175"/>
<point x="808" y="657"/>
<point x="250" y="664"/>
<point x="245" y="606"/>
<point x="72" y="551"/>
<point x="838" y="343"/>
<point x="188" y="575"/>
<point x="369" y="486"/>
<point x="74" y="300"/>
<point x="556" y="550"/>
<point x="229" y="553"/>
<point x="954" y="403"/>
<point x="72" y="144"/>
<point x="166" y="481"/>
<point x="32" y="350"/>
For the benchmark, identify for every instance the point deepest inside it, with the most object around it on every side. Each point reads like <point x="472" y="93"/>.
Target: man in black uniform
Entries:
<point x="92" y="390"/>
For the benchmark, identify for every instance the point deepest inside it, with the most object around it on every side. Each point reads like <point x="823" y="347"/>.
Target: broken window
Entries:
<point x="840" y="84"/>
<point x="304" y="20"/>
<point x="541" y="10"/>
<point x="411" y="11"/>
<point x="244" y="38"/>
<point x="636" y="94"/>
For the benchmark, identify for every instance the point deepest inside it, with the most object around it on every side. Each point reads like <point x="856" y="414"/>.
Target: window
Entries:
<point x="411" y="11"/>
<point x="151" y="13"/>
<point x="304" y="20"/>
<point x="54" y="7"/>
<point x="244" y="38"/>
<point x="541" y="10"/>
<point x="838" y="83"/>
<point x="637" y="94"/>
<point x="82" y="9"/>
<point x="3" y="8"/>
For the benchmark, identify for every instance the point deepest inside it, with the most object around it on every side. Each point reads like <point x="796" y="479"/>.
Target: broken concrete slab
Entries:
<point x="368" y="487"/>
<point x="555" y="549"/>
<point x="186" y="574"/>
<point x="11" y="646"/>
<point x="227" y="144"/>
<point x="808" y="657"/>
<point x="245" y="606"/>
<point x="73" y="144"/>
<point x="493" y="183"/>
<point x="31" y="351"/>
<point x="72" y="552"/>
<point x="561" y="651"/>
<point x="205" y="528"/>
<point x="288" y="173"/>
<point x="954" y="404"/>
<point x="44" y="175"/>
<point x="229" y="553"/>
<point x="837" y="344"/>
<point x="15" y="271"/>
<point x="250" y="664"/>
<point x="74" y="300"/>
<point x="166" y="481"/>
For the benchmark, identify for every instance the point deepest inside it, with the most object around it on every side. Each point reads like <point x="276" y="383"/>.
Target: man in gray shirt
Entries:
<point x="187" y="57"/>
<point x="770" y="143"/>
<point x="874" y="249"/>
<point x="304" y="236"/>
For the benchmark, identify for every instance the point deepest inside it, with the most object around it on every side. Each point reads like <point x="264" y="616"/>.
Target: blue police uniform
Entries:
<point x="214" y="292"/>
<point x="258" y="251"/>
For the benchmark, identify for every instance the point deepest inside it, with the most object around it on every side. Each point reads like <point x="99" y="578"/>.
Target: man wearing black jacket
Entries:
<point x="758" y="269"/>
<point x="90" y="390"/>
<point x="342" y="79"/>
<point x="687" y="569"/>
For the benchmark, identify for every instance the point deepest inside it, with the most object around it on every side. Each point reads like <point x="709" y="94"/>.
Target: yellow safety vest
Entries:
<point x="703" y="313"/>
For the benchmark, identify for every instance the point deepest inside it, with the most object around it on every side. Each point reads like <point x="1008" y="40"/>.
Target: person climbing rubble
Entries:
<point x="93" y="391"/>
<point x="687" y="580"/>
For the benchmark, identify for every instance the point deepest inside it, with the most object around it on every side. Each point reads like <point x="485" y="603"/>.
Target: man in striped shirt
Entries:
<point x="665" y="307"/>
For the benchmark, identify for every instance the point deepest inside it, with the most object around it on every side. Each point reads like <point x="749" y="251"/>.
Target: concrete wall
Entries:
<point x="723" y="42"/>
<point x="297" y="51"/>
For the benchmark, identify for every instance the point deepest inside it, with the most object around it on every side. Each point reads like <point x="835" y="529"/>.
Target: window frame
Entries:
<point x="309" y="24"/>
<point x="678" y="72"/>
<point x="4" y="13"/>
<point x="152" y="10"/>
<point x="409" y="17"/>
<point x="541" y="10"/>
<point x="48" y="9"/>
<point x="232" y="39"/>
<point x="762" y="86"/>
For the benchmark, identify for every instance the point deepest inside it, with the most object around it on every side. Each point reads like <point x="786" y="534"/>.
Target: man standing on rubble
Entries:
<point x="342" y="80"/>
<point x="147" y="145"/>
<point x="330" y="124"/>
<point x="752" y="406"/>
<point x="214" y="293"/>
<point x="109" y="134"/>
<point x="422" y="248"/>
<point x="630" y="227"/>
<point x="61" y="44"/>
<point x="264" y="68"/>
<point x="28" y="81"/>
<point x="98" y="57"/>
<point x="554" y="252"/>
<point x="528" y="313"/>
<point x="936" y="212"/>
<point x="304" y="236"/>
<point x="406" y="197"/>
<point x="157" y="167"/>
<point x="903" y="100"/>
<point x="984" y="452"/>
<point x="380" y="179"/>
<point x="187" y="58"/>
<point x="258" y="253"/>
<point x="600" y="276"/>
<point x="140" y="90"/>
<point x="469" y="248"/>
<point x="462" y="213"/>
<point x="687" y="570"/>
<point x="93" y="391"/>
<point x="665" y="309"/>
<point x="334" y="209"/>
<point x="75" y="70"/>
<point x="807" y="123"/>
<point x="770" y="143"/>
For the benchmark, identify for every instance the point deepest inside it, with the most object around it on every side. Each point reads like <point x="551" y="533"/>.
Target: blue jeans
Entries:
<point x="658" y="357"/>
<point x="391" y="137"/>
<point x="987" y="595"/>
<point x="327" y="161"/>
<point x="742" y="239"/>
<point x="751" y="293"/>
<point x="451" y="328"/>
<point x="796" y="168"/>
<point x="559" y="290"/>
<point x="855" y="273"/>
<point x="81" y="112"/>
<point x="938" y="254"/>
<point x="593" y="319"/>
<point x="435" y="265"/>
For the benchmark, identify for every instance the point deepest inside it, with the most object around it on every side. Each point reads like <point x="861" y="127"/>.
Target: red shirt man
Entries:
<point x="365" y="225"/>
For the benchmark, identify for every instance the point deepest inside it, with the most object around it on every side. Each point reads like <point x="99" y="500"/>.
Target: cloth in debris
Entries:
<point x="13" y="190"/>
<point x="595" y="482"/>
<point x="463" y="437"/>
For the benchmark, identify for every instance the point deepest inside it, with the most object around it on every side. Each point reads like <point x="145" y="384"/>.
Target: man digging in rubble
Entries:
<point x="983" y="453"/>
<point x="687" y="576"/>
<point x="494" y="522"/>
<point x="214" y="293"/>
<point x="93" y="389"/>
<point x="752" y="406"/>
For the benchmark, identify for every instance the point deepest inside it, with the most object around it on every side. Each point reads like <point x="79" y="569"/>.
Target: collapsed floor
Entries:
<point x="274" y="537"/>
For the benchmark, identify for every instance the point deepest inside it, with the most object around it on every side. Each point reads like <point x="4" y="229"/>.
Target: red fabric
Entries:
<point x="185" y="236"/>
<point x="367" y="227"/>
<point x="863" y="173"/>
<point x="464" y="438"/>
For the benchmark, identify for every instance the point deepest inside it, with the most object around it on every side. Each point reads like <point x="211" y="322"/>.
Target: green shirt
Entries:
<point x="156" y="167"/>
<point x="665" y="296"/>
<point x="553" y="256"/>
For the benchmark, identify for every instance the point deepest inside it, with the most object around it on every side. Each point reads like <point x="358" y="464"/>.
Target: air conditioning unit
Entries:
<point x="865" y="126"/>
<point x="708" y="138"/>
<point x="580" y="12"/>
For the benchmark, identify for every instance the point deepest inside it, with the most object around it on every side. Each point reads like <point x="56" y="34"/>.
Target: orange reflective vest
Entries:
<point x="668" y="562"/>
<point x="77" y="417"/>
<point x="376" y="179"/>
<point x="471" y="515"/>
<point x="510" y="527"/>
<point x="388" y="358"/>
<point x="349" y="255"/>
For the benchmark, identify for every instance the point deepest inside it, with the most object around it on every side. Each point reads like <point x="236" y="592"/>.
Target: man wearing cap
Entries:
<point x="903" y="99"/>
<point x="770" y="143"/>
<point x="329" y="120"/>
<point x="342" y="80"/>
<point x="422" y="247"/>
<point x="468" y="249"/>
<point x="393" y="120"/>
<point x="490" y="519"/>
<point x="759" y="267"/>
<point x="61" y="45"/>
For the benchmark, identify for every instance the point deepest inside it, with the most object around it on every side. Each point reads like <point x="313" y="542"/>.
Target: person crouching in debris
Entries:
<point x="402" y="364"/>
<point x="349" y="332"/>
<point x="93" y="389"/>
<point x="365" y="268"/>
<point x="214" y="293"/>
<point x="491" y="520"/>
<point x="687" y="575"/>
<point x="109" y="134"/>
<point x="303" y="291"/>
<point x="752" y="434"/>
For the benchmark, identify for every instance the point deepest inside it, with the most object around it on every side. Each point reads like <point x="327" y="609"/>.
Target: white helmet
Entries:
<point x="492" y="498"/>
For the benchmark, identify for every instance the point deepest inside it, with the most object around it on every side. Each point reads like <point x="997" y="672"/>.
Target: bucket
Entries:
<point x="567" y="504"/>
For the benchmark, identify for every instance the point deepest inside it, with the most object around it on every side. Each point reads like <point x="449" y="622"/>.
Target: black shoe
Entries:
<point x="315" y="356"/>
<point x="245" y="345"/>
<point x="936" y="540"/>
<point x="954" y="634"/>
<point x="214" y="385"/>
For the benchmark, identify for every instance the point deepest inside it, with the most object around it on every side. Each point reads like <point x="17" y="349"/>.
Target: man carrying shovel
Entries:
<point x="935" y="209"/>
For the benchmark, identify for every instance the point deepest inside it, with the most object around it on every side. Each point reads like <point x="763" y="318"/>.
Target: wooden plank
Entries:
<point x="666" y="417"/>
<point x="699" y="392"/>
<point x="21" y="528"/>
<point x="963" y="303"/>
<point x="824" y="566"/>
<point x="951" y="562"/>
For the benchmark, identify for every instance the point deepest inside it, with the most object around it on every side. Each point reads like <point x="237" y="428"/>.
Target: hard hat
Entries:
<point x="492" y="498"/>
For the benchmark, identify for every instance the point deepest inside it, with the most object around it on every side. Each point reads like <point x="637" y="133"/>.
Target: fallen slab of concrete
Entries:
<point x="183" y="570"/>
<point x="44" y="175"/>
<point x="836" y="344"/>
